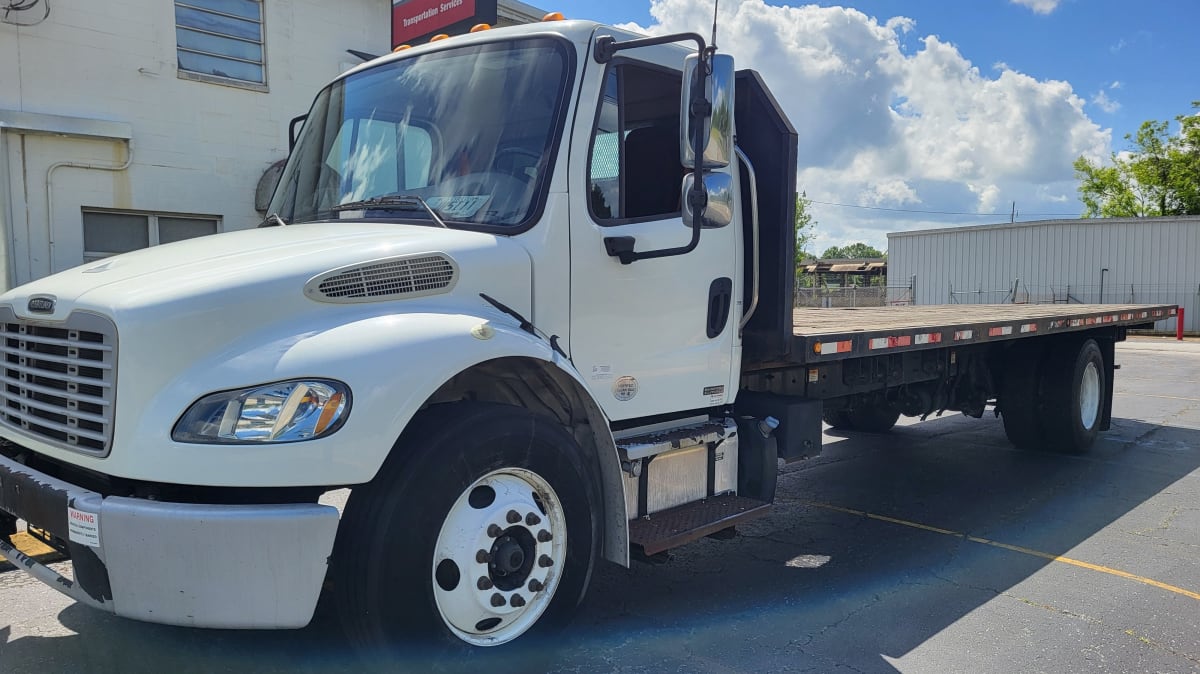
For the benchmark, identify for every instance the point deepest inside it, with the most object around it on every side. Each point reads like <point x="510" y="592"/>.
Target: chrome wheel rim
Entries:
<point x="1089" y="395"/>
<point x="499" y="557"/>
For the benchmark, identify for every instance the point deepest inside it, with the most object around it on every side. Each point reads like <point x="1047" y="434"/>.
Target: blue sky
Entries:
<point x="1121" y="62"/>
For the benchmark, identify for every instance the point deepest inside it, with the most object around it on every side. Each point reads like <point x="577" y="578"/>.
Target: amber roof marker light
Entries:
<point x="554" y="16"/>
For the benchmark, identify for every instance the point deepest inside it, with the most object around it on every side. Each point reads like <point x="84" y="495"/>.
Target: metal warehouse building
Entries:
<point x="1110" y="260"/>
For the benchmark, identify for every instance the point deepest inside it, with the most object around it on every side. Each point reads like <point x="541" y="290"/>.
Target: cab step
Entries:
<point x="683" y="524"/>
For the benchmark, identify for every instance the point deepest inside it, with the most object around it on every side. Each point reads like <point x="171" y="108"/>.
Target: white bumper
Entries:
<point x="223" y="566"/>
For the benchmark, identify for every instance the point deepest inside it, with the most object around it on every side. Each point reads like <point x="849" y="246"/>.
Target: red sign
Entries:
<point x="416" y="18"/>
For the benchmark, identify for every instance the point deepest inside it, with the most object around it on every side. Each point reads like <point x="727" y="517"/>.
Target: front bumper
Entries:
<point x="225" y="566"/>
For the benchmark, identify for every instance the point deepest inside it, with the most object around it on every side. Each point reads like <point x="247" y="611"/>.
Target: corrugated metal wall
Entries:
<point x="1154" y="260"/>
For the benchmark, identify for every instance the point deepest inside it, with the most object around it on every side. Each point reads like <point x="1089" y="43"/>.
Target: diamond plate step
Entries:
<point x="686" y="523"/>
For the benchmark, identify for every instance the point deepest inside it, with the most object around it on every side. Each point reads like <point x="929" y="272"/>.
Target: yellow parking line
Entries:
<point x="1014" y="548"/>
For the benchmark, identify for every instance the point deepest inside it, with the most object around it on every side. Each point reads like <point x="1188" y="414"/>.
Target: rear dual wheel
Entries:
<point x="1055" y="400"/>
<point x="480" y="528"/>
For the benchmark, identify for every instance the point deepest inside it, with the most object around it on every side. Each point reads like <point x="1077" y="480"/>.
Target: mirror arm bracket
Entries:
<point x="607" y="46"/>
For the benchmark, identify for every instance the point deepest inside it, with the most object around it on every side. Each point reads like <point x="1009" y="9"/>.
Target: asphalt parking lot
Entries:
<point x="935" y="548"/>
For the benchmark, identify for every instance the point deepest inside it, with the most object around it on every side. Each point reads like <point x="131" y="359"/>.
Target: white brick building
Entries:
<point x="126" y="123"/>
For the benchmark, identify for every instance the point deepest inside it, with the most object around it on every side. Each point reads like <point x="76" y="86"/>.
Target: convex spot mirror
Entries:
<point x="716" y="129"/>
<point x="719" y="210"/>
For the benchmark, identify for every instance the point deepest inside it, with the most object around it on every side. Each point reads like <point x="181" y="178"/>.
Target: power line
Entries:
<point x="913" y="210"/>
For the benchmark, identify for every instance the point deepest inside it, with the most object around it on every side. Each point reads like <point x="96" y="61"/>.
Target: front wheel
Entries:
<point x="480" y="528"/>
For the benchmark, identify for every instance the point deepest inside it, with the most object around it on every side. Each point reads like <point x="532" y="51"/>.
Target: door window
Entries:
<point x="634" y="171"/>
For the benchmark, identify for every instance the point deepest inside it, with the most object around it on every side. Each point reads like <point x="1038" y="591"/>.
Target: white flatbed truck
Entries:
<point x="498" y="304"/>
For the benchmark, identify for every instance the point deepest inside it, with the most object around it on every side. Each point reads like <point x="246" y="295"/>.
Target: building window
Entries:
<point x="108" y="233"/>
<point x="220" y="40"/>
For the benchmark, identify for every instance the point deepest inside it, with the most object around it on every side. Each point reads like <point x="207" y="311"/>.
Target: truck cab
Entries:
<point x="512" y="284"/>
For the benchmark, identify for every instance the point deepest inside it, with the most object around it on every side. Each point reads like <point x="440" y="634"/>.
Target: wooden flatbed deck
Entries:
<point x="822" y="335"/>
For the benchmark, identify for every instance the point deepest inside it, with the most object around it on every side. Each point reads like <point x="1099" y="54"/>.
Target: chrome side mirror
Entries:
<point x="718" y="211"/>
<point x="715" y="129"/>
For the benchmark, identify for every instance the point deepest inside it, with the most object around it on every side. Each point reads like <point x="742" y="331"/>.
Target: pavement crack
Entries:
<point x="1162" y="647"/>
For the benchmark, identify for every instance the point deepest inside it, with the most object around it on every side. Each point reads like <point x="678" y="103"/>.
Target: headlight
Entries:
<point x="287" y="411"/>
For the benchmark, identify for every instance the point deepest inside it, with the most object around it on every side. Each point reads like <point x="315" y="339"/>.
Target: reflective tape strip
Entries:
<point x="1029" y="327"/>
<point x="928" y="338"/>
<point x="890" y="342"/>
<point x="844" y="346"/>
<point x="1145" y="314"/>
<point x="1173" y="311"/>
<point x="1076" y="322"/>
<point x="1090" y="320"/>
<point x="1001" y="331"/>
<point x="963" y="334"/>
<point x="1127" y="317"/>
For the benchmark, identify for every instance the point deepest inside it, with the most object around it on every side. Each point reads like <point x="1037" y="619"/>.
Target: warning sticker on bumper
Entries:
<point x="83" y="527"/>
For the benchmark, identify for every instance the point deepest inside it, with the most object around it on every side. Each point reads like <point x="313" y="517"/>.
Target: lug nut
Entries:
<point x="483" y="557"/>
<point x="517" y="601"/>
<point x="484" y="583"/>
<point x="532" y="520"/>
<point x="497" y="600"/>
<point x="494" y="530"/>
<point x="513" y="517"/>
<point x="544" y="536"/>
<point x="545" y="561"/>
<point x="535" y="585"/>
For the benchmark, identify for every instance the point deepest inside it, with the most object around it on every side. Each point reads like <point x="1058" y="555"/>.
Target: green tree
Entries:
<point x="805" y="231"/>
<point x="805" y="228"/>
<point x="1160" y="175"/>
<point x="854" y="251"/>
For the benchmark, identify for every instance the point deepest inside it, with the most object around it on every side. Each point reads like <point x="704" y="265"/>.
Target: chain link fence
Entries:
<point x="855" y="296"/>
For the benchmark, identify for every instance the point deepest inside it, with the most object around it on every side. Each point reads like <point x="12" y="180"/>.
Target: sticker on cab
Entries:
<point x="458" y="207"/>
<point x="83" y="527"/>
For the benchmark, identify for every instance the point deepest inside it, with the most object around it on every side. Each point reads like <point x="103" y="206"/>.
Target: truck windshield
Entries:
<point x="468" y="130"/>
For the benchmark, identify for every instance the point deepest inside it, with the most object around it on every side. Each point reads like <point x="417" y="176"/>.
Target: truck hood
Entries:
<point x="262" y="262"/>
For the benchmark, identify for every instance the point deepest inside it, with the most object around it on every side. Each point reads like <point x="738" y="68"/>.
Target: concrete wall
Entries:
<point x="1154" y="260"/>
<point x="198" y="148"/>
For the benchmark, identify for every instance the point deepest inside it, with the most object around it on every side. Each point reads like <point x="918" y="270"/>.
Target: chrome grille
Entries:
<point x="385" y="279"/>
<point x="57" y="380"/>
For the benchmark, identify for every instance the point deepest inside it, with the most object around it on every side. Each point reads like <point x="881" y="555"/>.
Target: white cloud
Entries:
<point x="1115" y="85"/>
<point x="1038" y="6"/>
<point x="882" y="128"/>
<point x="1102" y="101"/>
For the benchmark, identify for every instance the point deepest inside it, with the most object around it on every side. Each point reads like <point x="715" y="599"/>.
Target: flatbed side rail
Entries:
<point x="864" y="335"/>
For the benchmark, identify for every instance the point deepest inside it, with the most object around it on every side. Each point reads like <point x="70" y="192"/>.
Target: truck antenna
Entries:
<point x="713" y="43"/>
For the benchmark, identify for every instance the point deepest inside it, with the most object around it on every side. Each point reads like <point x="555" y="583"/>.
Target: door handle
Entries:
<point x="720" y="296"/>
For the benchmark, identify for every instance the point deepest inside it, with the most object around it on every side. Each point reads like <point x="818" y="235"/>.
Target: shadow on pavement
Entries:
<point x="805" y="587"/>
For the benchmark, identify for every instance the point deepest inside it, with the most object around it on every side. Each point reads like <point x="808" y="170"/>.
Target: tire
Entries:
<point x="477" y="505"/>
<point x="871" y="419"/>
<point x="1073" y="395"/>
<point x="839" y="419"/>
<point x="1020" y="397"/>
<point x="874" y="419"/>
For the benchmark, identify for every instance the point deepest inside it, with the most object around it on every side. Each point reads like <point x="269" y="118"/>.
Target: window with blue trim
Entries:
<point x="221" y="39"/>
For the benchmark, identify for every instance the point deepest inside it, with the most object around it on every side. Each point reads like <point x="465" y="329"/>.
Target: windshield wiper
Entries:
<point x="272" y="220"/>
<point x="407" y="202"/>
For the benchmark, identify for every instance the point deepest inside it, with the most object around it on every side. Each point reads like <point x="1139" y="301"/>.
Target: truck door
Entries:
<point x="658" y="335"/>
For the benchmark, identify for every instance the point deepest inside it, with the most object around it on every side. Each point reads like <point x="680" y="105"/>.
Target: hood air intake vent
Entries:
<point x="387" y="279"/>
